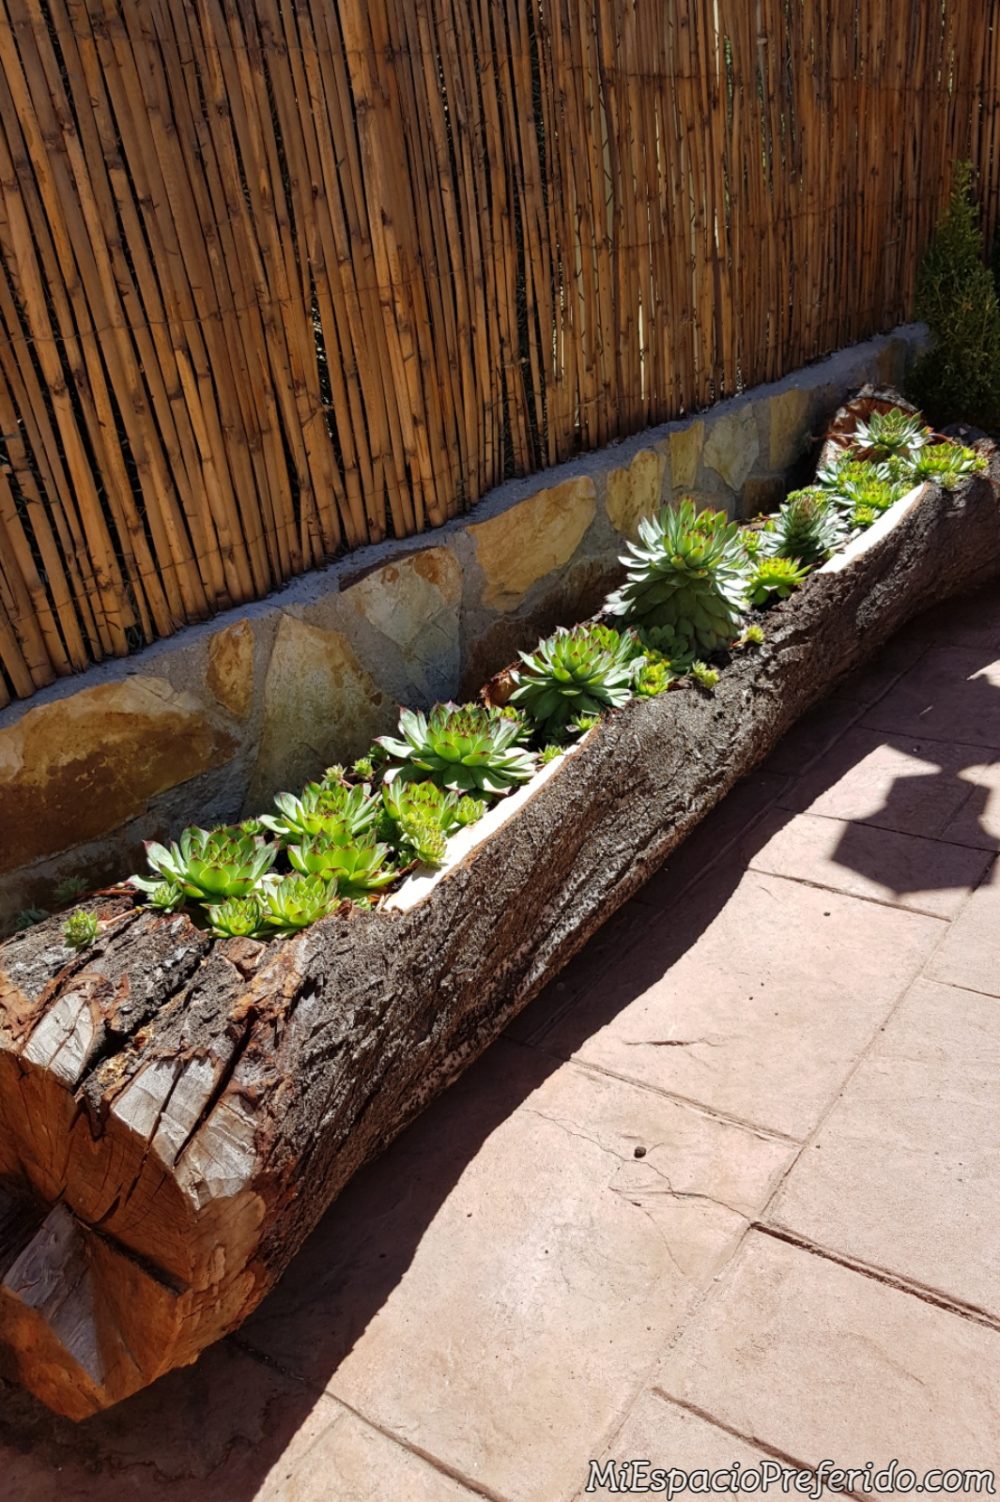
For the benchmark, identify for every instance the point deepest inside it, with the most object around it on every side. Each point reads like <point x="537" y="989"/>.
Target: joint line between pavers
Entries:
<point x="877" y="1274"/>
<point x="822" y="886"/>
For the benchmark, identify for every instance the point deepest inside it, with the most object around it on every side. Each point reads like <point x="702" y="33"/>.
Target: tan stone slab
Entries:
<point x="671" y="1438"/>
<point x="320" y="705"/>
<point x="905" y="1172"/>
<point x="926" y="876"/>
<point x="788" y="416"/>
<point x="733" y="446"/>
<point x="230" y="670"/>
<point x="73" y="769"/>
<point x="534" y="538"/>
<point x="215" y="1432"/>
<point x="635" y="491"/>
<point x="894" y="782"/>
<point x="822" y="1362"/>
<point x="494" y="1289"/>
<point x="970" y="954"/>
<point x="952" y="694"/>
<point x="685" y="455"/>
<point x="754" y="996"/>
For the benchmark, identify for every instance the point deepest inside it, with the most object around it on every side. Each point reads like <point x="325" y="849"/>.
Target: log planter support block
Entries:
<point x="176" y="1113"/>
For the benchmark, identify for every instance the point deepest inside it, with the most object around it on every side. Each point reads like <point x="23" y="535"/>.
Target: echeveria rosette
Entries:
<point x="461" y="748"/>
<point x="585" y="670"/>
<point x="689" y="572"/>
<point x="297" y="902"/>
<point x="209" y="865"/>
<point x="893" y="434"/>
<point x="807" y="529"/>
<point x="778" y="577"/>
<point x="358" y="866"/>
<point x="947" y="464"/>
<point x="318" y="805"/>
<point x="236" y="918"/>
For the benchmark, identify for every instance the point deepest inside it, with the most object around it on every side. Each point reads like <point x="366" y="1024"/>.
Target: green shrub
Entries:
<point x="959" y="379"/>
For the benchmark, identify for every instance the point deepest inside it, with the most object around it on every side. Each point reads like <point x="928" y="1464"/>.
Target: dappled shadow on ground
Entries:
<point x="220" y="1429"/>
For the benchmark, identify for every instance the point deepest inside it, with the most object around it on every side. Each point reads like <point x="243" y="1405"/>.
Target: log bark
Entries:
<point x="176" y="1113"/>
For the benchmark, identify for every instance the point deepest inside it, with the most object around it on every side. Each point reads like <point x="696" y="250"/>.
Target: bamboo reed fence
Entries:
<point x="282" y="277"/>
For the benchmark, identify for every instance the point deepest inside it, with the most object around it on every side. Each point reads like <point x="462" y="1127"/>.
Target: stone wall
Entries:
<point x="209" y="724"/>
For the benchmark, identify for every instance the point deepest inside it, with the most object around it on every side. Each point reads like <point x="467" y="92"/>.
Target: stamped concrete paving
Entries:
<point x="728" y="1192"/>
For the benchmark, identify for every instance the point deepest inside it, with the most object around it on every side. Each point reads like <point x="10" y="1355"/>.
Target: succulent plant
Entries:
<point x="864" y="516"/>
<point x="947" y="464"/>
<point x="753" y="538"/>
<point x="584" y="723"/>
<point x="236" y="918"/>
<point x="28" y="917"/>
<point x="580" y="671"/>
<point x="663" y="644"/>
<point x="550" y="753"/>
<point x="299" y="818"/>
<point x="364" y="768"/>
<point x="688" y="572"/>
<point x="465" y="749"/>
<point x="209" y="865"/>
<point x="296" y="902"/>
<point x="165" y="896"/>
<point x="70" y="890"/>
<point x="419" y="816"/>
<point x="705" y="677"/>
<point x="776" y="576"/>
<point x="654" y="678"/>
<point x="855" y="482"/>
<point x="81" y="929"/>
<point x="806" y="528"/>
<point x="356" y="863"/>
<point x="753" y="636"/>
<point x="891" y="433"/>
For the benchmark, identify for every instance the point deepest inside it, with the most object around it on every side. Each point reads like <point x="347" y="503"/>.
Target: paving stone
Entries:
<point x="669" y="1437"/>
<point x="896" y="782"/>
<point x="738" y="813"/>
<point x="220" y="1430"/>
<point x="926" y="876"/>
<point x="754" y="996"/>
<point x="822" y="1362"/>
<point x="494" y="1288"/>
<point x="814" y="734"/>
<point x="349" y="1461"/>
<point x="971" y="621"/>
<point x="905" y="1172"/>
<point x="970" y="953"/>
<point x="952" y="694"/>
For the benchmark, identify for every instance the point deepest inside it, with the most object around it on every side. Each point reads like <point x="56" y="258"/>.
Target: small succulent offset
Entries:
<point x="70" y="890"/>
<point x="209" y="865"/>
<point x="580" y="671"/>
<point x="688" y="572"/>
<point x="300" y="818"/>
<point x="705" y="677"/>
<point x="81" y="929"/>
<point x="296" y="902"/>
<point x="891" y="433"/>
<point x="550" y="753"/>
<point x="654" y="678"/>
<point x="664" y="644"/>
<point x="364" y="768"/>
<point x="165" y="897"/>
<point x="753" y="636"/>
<point x="807" y="528"/>
<point x="237" y="918"/>
<point x="28" y="917"/>
<point x="463" y="748"/>
<point x="584" y="723"/>
<point x="776" y="576"/>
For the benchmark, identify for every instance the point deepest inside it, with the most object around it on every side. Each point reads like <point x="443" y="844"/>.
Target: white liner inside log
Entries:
<point x="418" y="887"/>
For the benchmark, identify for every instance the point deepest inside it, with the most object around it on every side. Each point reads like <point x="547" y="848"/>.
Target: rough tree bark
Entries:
<point x="176" y="1113"/>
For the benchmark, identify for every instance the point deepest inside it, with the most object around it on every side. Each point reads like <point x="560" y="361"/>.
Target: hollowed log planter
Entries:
<point x="176" y="1113"/>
